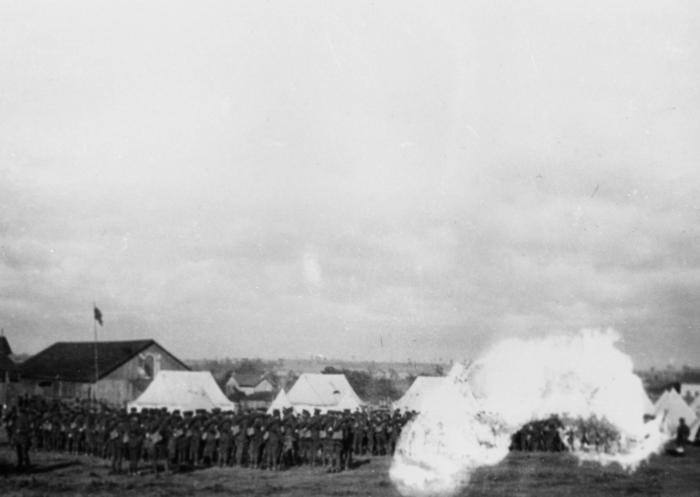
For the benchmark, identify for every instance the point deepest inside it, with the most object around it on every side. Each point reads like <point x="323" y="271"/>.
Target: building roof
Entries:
<point x="248" y="379"/>
<point x="5" y="349"/>
<point x="75" y="361"/>
<point x="6" y="362"/>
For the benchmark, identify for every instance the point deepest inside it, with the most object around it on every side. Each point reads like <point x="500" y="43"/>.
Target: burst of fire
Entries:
<point x="469" y="421"/>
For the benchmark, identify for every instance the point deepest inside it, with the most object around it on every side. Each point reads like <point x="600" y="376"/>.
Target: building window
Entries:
<point x="148" y="366"/>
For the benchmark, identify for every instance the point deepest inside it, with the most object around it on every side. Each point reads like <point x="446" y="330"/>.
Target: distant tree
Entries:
<point x="439" y="371"/>
<point x="382" y="389"/>
<point x="393" y="375"/>
<point x="360" y="381"/>
<point x="250" y="366"/>
<point x="332" y="370"/>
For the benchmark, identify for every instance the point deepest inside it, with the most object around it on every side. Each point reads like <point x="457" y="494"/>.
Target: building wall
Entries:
<point x="115" y="391"/>
<point x="127" y="382"/>
<point x="137" y="367"/>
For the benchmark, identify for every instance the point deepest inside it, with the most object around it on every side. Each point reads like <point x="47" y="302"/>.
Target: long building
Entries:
<point x="118" y="373"/>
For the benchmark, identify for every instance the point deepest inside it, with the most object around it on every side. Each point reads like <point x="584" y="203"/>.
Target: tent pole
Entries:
<point x="97" y="374"/>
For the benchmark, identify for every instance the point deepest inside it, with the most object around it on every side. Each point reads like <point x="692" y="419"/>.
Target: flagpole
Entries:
<point x="94" y="329"/>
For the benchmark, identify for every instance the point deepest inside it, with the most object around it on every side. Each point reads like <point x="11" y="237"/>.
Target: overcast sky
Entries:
<point x="381" y="180"/>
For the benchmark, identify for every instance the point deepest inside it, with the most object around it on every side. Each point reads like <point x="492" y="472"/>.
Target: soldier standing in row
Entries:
<point x="682" y="433"/>
<point x="134" y="444"/>
<point x="225" y="443"/>
<point x="21" y="437"/>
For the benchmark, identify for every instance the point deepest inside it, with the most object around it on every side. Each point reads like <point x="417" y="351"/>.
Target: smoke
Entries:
<point x="468" y="421"/>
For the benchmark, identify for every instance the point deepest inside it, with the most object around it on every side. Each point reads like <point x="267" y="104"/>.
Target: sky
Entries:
<point x="362" y="180"/>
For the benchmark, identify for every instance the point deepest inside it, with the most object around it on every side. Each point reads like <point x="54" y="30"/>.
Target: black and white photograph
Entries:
<point x="358" y="248"/>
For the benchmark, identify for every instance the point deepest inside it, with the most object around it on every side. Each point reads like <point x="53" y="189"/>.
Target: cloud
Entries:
<point x="288" y="183"/>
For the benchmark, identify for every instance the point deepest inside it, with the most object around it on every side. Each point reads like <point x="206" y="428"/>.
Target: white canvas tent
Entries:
<point x="280" y="403"/>
<point x="184" y="391"/>
<point x="326" y="392"/>
<point x="695" y="406"/>
<point x="694" y="430"/>
<point x="421" y="388"/>
<point x="673" y="407"/>
<point x="649" y="407"/>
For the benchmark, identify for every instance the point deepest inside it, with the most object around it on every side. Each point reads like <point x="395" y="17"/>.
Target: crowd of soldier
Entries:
<point x="170" y="441"/>
<point x="556" y="434"/>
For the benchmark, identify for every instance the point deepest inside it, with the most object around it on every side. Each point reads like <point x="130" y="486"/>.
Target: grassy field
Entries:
<point x="521" y="474"/>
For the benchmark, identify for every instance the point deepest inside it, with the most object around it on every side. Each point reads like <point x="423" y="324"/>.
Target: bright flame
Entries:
<point x="468" y="422"/>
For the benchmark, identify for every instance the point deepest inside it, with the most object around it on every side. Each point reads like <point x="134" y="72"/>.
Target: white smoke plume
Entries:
<point x="469" y="421"/>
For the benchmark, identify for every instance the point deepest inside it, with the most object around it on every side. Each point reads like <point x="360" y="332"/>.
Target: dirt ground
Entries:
<point x="520" y="475"/>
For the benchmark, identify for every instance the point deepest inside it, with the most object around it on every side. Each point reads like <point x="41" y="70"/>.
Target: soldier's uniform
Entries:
<point x="336" y="436"/>
<point x="21" y="438"/>
<point x="380" y="437"/>
<point x="195" y="441"/>
<point x="316" y="441"/>
<point x="116" y="436"/>
<point x="288" y="457"/>
<point x="357" y="436"/>
<point x="305" y="443"/>
<point x="183" y="448"/>
<point x="134" y="443"/>
<point x="175" y="435"/>
<point x="271" y="450"/>
<point x="328" y="442"/>
<point x="254" y="443"/>
<point x="682" y="433"/>
<point x="210" y="437"/>
<point x="241" y="437"/>
<point x="225" y="439"/>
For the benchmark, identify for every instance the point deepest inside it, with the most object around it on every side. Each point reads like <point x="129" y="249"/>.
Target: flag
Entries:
<point x="98" y="315"/>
